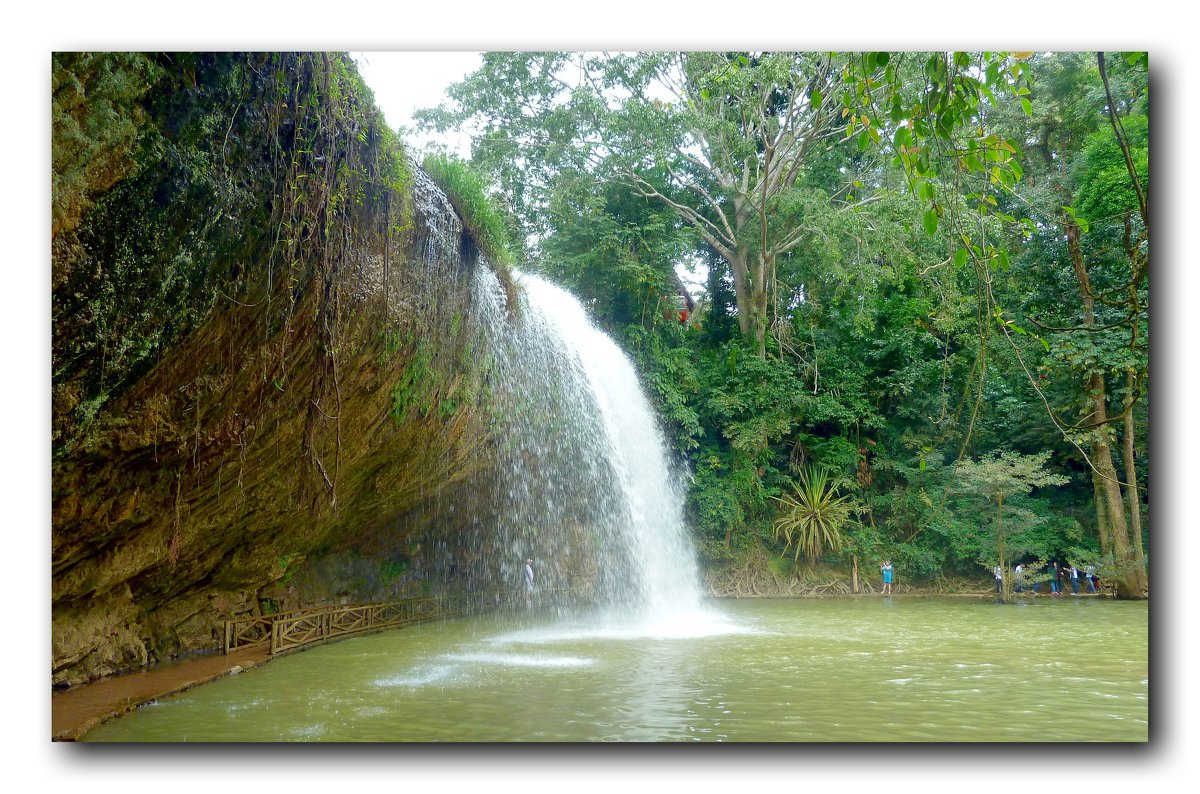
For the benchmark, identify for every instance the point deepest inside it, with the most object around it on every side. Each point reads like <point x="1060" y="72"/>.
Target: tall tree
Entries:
<point x="999" y="478"/>
<point x="720" y="138"/>
<point x="1094" y="185"/>
<point x="745" y="127"/>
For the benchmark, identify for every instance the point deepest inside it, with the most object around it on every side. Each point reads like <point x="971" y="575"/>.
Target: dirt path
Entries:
<point x="79" y="709"/>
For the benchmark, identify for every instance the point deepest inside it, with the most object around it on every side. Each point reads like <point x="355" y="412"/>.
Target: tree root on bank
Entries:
<point x="750" y="583"/>
<point x="756" y="580"/>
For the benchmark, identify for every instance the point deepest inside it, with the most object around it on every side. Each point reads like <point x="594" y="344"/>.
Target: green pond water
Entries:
<point x="804" y="670"/>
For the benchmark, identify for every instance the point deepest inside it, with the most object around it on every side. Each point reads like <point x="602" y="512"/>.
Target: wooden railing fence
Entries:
<point x="294" y="629"/>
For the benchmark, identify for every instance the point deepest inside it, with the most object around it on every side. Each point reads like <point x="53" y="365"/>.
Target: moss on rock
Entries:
<point x="223" y="383"/>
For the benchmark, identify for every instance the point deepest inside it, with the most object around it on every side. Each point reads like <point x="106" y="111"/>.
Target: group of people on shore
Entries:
<point x="1056" y="573"/>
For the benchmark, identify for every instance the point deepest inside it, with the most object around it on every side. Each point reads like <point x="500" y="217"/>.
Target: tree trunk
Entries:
<point x="854" y="572"/>
<point x="750" y="292"/>
<point x="749" y="288"/>
<point x="759" y="319"/>
<point x="1005" y="581"/>
<point x="1104" y="474"/>
<point x="1132" y="497"/>
<point x="741" y="288"/>
<point x="759" y="297"/>
<point x="1101" y="517"/>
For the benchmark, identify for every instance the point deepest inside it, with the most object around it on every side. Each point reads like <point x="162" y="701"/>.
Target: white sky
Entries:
<point x="407" y="81"/>
<point x="404" y="82"/>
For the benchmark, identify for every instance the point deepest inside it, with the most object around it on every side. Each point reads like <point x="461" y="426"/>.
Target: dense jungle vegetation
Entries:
<point x="922" y="333"/>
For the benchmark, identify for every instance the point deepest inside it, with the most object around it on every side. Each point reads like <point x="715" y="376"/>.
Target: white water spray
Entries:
<point x="588" y="453"/>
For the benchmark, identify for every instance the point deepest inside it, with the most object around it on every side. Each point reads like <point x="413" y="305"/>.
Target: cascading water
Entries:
<point x="586" y="488"/>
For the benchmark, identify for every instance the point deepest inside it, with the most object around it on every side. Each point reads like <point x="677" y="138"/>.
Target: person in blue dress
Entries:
<point x="886" y="569"/>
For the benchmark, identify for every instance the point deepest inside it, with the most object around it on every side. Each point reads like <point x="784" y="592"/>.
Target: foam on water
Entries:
<point x="519" y="660"/>
<point x="422" y="676"/>
<point x="679" y="625"/>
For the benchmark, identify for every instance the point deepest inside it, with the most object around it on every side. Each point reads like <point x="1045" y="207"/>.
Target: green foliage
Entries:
<point x="716" y="505"/>
<point x="1017" y="528"/>
<point x="814" y="516"/>
<point x="288" y="569"/>
<point x="391" y="570"/>
<point x="95" y="117"/>
<point x="615" y="250"/>
<point x="919" y="304"/>
<point x="146" y="265"/>
<point x="218" y="179"/>
<point x="1105" y="190"/>
<point x="480" y="213"/>
<point x="1000" y="476"/>
<point x="417" y="385"/>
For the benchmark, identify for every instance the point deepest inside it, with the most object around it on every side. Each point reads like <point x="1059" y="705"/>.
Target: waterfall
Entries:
<point x="587" y="488"/>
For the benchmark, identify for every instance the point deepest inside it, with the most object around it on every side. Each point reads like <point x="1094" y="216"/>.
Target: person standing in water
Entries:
<point x="528" y="584"/>
<point x="886" y="569"/>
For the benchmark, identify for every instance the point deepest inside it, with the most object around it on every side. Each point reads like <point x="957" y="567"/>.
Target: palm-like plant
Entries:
<point x="814" y="514"/>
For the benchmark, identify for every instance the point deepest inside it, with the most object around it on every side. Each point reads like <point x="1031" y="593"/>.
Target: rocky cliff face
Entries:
<point x="262" y="351"/>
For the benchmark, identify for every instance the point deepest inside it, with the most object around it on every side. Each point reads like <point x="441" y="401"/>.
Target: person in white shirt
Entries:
<point x="528" y="584"/>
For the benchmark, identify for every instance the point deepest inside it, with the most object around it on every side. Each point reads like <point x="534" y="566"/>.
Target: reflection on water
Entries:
<point x="787" y="670"/>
